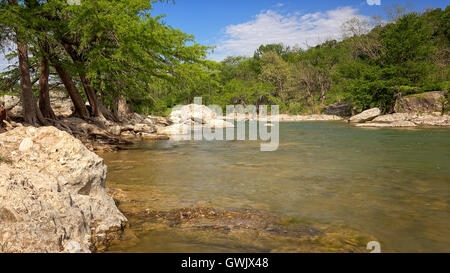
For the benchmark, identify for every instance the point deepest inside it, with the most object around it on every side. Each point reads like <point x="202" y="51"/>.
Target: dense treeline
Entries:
<point x="121" y="56"/>
<point x="111" y="50"/>
<point x="374" y="65"/>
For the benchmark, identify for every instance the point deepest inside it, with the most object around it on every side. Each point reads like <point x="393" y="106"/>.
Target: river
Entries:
<point x="391" y="184"/>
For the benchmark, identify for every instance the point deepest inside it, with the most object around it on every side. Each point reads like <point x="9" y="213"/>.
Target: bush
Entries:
<point x="295" y="108"/>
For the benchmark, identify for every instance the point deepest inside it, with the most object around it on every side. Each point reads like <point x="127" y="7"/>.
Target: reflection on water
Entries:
<point x="391" y="184"/>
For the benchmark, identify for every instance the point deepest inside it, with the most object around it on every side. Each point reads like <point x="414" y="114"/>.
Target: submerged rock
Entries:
<point x="52" y="194"/>
<point x="249" y="229"/>
<point x="365" y="116"/>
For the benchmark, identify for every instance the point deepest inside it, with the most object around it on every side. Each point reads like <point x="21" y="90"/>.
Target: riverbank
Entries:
<point x="63" y="195"/>
<point x="52" y="192"/>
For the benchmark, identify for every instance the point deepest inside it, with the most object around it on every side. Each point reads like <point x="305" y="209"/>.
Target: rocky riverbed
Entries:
<point x="250" y="229"/>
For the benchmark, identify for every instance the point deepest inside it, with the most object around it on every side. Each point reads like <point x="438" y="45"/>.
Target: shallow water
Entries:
<point x="391" y="184"/>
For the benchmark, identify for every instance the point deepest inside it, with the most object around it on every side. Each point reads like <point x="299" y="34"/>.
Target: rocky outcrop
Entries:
<point x="395" y="117"/>
<point x="188" y="117"/>
<point x="61" y="104"/>
<point x="421" y="103"/>
<point x="432" y="119"/>
<point x="284" y="118"/>
<point x="409" y="120"/>
<point x="365" y="116"/>
<point x="192" y="113"/>
<point x="52" y="194"/>
<point x="175" y="129"/>
<point x="339" y="109"/>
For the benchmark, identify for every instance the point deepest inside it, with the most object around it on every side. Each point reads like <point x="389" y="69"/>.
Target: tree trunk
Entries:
<point x="28" y="102"/>
<point x="90" y="94"/>
<point x="31" y="113"/>
<point x="44" y="93"/>
<point x="121" y="108"/>
<point x="98" y="108"/>
<point x="80" y="107"/>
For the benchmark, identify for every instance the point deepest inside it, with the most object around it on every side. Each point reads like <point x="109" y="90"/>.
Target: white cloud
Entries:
<point x="290" y="29"/>
<point x="374" y="2"/>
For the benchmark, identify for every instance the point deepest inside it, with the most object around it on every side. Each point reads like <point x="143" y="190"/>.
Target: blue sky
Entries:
<point x="238" y="27"/>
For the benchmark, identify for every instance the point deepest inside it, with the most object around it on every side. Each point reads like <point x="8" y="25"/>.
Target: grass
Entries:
<point x="5" y="160"/>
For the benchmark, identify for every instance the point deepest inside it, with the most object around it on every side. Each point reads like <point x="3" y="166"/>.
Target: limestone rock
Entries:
<point x="61" y="104"/>
<point x="395" y="124"/>
<point x="175" y="129"/>
<point x="12" y="105"/>
<point x="410" y="120"/>
<point x="26" y="144"/>
<point x="52" y="195"/>
<point x="367" y="115"/>
<point x="426" y="103"/>
<point x="432" y="119"/>
<point x="296" y="118"/>
<point x="218" y="124"/>
<point x="197" y="113"/>
<point x="395" y="117"/>
<point x="339" y="109"/>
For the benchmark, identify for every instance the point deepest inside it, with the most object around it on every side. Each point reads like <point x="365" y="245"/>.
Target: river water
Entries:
<point x="392" y="184"/>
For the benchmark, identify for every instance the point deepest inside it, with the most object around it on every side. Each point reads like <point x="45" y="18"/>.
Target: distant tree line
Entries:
<point x="376" y="63"/>
<point x="114" y="55"/>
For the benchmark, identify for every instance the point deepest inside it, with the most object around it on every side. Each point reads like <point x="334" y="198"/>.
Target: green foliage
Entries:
<point x="126" y="52"/>
<point x="5" y="160"/>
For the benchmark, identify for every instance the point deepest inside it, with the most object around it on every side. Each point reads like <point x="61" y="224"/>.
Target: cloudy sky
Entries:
<point x="238" y="27"/>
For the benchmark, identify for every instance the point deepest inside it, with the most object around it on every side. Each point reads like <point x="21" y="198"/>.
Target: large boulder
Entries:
<point x="193" y="112"/>
<point x="52" y="194"/>
<point x="426" y="103"/>
<point x="339" y="109"/>
<point x="175" y="129"/>
<point x="367" y="115"/>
